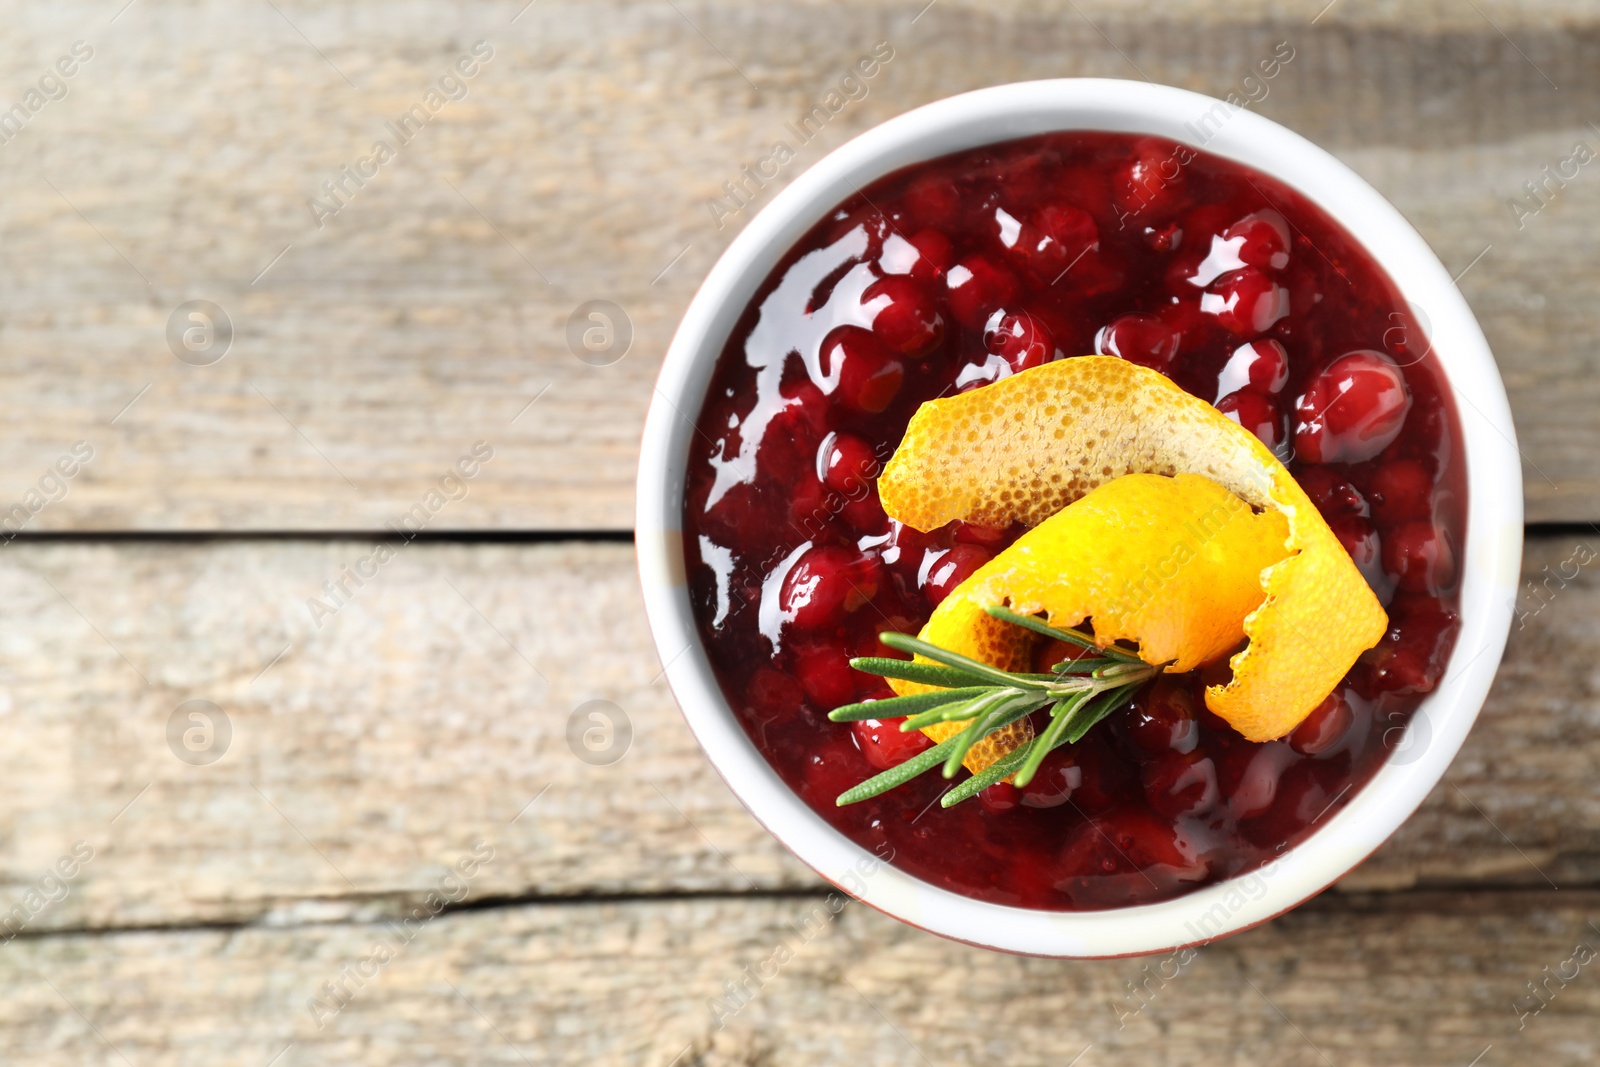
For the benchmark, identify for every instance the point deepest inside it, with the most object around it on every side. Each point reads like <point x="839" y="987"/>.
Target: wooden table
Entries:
<point x="231" y="912"/>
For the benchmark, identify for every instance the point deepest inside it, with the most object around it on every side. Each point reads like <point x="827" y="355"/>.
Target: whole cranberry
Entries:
<point x="1143" y="339"/>
<point x="905" y="548"/>
<point x="864" y="514"/>
<point x="1054" y="782"/>
<point x="905" y="316"/>
<point x="1419" y="555"/>
<point x="826" y="583"/>
<point x="1261" y="365"/>
<point x="1400" y="490"/>
<point x="1054" y="239"/>
<point x="847" y="464"/>
<point x="1325" y="727"/>
<point x="935" y="254"/>
<point x="1002" y="796"/>
<point x="951" y="569"/>
<point x="1263" y="239"/>
<point x="1245" y="301"/>
<point x="825" y="674"/>
<point x="978" y="287"/>
<point x="1352" y="410"/>
<point x="885" y="745"/>
<point x="1019" y="338"/>
<point x="1163" y="718"/>
<point x="869" y="374"/>
<point x="992" y="538"/>
<point x="1259" y="414"/>
<point x="1177" y="784"/>
<point x="1152" y="180"/>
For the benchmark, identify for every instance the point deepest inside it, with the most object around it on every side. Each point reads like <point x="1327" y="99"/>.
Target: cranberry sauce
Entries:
<point x="954" y="273"/>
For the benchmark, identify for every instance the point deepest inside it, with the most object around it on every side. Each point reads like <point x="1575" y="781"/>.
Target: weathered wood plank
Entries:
<point x="1424" y="979"/>
<point x="428" y="312"/>
<point x="379" y="747"/>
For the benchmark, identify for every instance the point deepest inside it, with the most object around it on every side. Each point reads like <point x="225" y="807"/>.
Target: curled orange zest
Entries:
<point x="1026" y="447"/>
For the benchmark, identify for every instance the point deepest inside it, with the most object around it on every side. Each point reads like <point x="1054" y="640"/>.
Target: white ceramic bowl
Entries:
<point x="1491" y="557"/>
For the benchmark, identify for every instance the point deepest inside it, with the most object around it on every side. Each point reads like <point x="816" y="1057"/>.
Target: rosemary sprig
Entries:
<point x="1079" y="693"/>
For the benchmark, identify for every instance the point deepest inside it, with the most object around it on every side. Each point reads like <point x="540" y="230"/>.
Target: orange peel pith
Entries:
<point x="1024" y="448"/>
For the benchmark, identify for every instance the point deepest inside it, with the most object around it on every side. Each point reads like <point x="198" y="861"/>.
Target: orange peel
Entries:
<point x="1026" y="447"/>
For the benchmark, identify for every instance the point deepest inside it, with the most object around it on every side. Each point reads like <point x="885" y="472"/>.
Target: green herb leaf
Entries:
<point x="896" y="707"/>
<point x="925" y="673"/>
<point x="955" y="660"/>
<point x="897" y="775"/>
<point x="991" y="774"/>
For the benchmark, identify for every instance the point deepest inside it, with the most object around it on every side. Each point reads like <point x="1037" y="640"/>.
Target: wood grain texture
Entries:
<point x="428" y="312"/>
<point x="1399" y="981"/>
<point x="432" y="712"/>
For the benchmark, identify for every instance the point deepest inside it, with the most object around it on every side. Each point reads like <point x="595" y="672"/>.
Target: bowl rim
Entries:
<point x="1491" y="557"/>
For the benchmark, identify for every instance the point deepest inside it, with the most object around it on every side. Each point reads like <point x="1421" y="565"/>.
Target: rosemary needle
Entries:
<point x="1078" y="692"/>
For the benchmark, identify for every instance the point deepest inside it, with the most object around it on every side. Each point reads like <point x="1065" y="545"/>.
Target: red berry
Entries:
<point x="1352" y="410"/>
<point x="1257" y="413"/>
<point x="905" y="549"/>
<point x="1002" y="796"/>
<point x="951" y="569"/>
<point x="1053" y="784"/>
<point x="1018" y="338"/>
<point x="1151" y="179"/>
<point x="935" y="254"/>
<point x="846" y="463"/>
<point x="1053" y="240"/>
<point x="1245" y="301"/>
<point x="869" y="375"/>
<point x="1261" y="365"/>
<point x="826" y="583"/>
<point x="1177" y="784"/>
<point x="1325" y="727"/>
<point x="1400" y="490"/>
<point x="904" y="315"/>
<point x="1263" y="239"/>
<point x="1143" y="339"/>
<point x="885" y="745"/>
<point x="825" y="675"/>
<point x="990" y="537"/>
<point x="1163" y="718"/>
<point x="865" y="515"/>
<point x="978" y="287"/>
<point x="1420" y="557"/>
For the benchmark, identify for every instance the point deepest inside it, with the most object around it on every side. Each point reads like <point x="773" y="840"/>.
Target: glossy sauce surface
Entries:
<point x="959" y="271"/>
